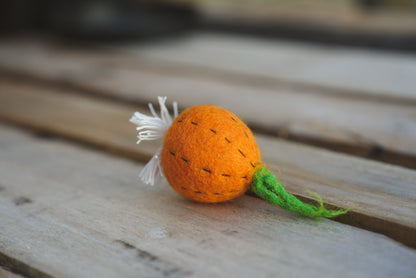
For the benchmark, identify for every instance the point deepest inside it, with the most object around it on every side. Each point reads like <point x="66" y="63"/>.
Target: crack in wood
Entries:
<point x="163" y="267"/>
<point x="21" y="268"/>
<point x="22" y="200"/>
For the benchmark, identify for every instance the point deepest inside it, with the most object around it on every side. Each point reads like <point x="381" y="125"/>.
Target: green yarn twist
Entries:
<point x="266" y="185"/>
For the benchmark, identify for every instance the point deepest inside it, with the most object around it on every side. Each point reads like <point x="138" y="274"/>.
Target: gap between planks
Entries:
<point x="89" y="218"/>
<point x="14" y="268"/>
<point x="343" y="181"/>
<point x="384" y="131"/>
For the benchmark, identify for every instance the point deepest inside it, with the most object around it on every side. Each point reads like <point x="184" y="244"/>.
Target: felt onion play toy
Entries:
<point x="209" y="155"/>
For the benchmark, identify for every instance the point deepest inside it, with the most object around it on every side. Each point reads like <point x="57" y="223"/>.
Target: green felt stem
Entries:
<point x="266" y="185"/>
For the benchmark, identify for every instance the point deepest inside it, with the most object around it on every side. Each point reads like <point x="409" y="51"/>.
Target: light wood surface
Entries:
<point x="384" y="195"/>
<point x="72" y="212"/>
<point x="266" y="63"/>
<point x="377" y="121"/>
<point x="359" y="71"/>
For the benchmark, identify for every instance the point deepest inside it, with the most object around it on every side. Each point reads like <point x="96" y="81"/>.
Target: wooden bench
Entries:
<point x="337" y="121"/>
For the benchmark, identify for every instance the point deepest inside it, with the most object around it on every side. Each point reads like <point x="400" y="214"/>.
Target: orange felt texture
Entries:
<point x="209" y="154"/>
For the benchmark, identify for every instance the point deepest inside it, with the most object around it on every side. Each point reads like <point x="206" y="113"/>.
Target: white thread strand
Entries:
<point x="153" y="128"/>
<point x="152" y="110"/>
<point x="149" y="173"/>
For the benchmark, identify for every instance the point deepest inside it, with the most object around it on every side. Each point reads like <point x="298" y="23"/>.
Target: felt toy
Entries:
<point x="209" y="155"/>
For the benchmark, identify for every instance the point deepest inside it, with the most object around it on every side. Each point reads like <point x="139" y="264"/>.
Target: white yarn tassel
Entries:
<point x="152" y="170"/>
<point x="153" y="128"/>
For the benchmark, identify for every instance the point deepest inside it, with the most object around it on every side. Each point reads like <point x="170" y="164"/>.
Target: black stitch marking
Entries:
<point x="206" y="170"/>
<point x="213" y="131"/>
<point x="246" y="133"/>
<point x="241" y="153"/>
<point x="22" y="200"/>
<point x="199" y="192"/>
<point x="184" y="188"/>
<point x="225" y="175"/>
<point x="245" y="177"/>
<point x="252" y="164"/>
<point x="226" y="139"/>
<point x="217" y="193"/>
<point x="172" y="153"/>
<point x="194" y="123"/>
<point x="233" y="119"/>
<point x="180" y="121"/>
<point x="184" y="159"/>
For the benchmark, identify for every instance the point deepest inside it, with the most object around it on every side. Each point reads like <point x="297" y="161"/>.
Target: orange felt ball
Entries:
<point x="209" y="154"/>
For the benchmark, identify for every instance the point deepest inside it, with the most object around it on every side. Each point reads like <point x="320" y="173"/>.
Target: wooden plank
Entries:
<point x="344" y="15"/>
<point x="380" y="130"/>
<point x="377" y="28"/>
<point x="384" y="194"/>
<point x="350" y="71"/>
<point x="85" y="215"/>
<point x="73" y="117"/>
<point x="268" y="63"/>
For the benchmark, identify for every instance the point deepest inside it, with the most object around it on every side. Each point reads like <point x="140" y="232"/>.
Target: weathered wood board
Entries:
<point x="264" y="63"/>
<point x="355" y="71"/>
<point x="69" y="211"/>
<point x="380" y="130"/>
<point x="71" y="116"/>
<point x="384" y="194"/>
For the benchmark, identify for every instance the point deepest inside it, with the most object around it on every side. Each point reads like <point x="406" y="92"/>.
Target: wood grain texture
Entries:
<point x="56" y="113"/>
<point x="385" y="194"/>
<point x="377" y="129"/>
<point x="89" y="217"/>
<point x="354" y="71"/>
<point x="341" y="70"/>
